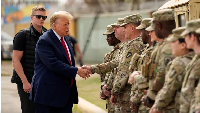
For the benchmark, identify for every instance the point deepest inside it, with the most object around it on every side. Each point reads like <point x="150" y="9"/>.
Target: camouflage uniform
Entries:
<point x="121" y="89"/>
<point x="187" y="99"/>
<point x="140" y="82"/>
<point x="197" y="93"/>
<point x="167" y="100"/>
<point x="161" y="56"/>
<point x="108" y="57"/>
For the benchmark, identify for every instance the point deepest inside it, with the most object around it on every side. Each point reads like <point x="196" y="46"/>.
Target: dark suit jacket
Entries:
<point x="51" y="84"/>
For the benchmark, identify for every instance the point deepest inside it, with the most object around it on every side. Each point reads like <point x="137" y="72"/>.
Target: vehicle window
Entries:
<point x="181" y="20"/>
<point x="5" y="37"/>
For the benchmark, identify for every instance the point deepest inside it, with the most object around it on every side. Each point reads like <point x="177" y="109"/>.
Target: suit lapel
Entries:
<point x="58" y="44"/>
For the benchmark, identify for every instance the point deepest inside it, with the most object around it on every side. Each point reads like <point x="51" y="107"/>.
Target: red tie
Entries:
<point x="63" y="44"/>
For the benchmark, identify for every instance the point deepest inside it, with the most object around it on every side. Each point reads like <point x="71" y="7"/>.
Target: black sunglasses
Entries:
<point x="39" y="16"/>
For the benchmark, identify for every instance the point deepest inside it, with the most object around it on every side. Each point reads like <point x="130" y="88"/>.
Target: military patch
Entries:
<point x="173" y="72"/>
<point x="167" y="60"/>
<point x="129" y="55"/>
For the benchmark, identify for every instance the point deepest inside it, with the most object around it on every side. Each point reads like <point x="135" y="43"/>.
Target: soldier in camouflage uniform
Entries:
<point x="135" y="65"/>
<point x="192" y="76"/>
<point x="167" y="99"/>
<point x="197" y="93"/>
<point x="112" y="41"/>
<point x="164" y="23"/>
<point x="119" y="34"/>
<point x="121" y="90"/>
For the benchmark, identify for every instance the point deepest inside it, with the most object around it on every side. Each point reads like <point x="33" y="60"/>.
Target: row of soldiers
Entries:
<point x="154" y="67"/>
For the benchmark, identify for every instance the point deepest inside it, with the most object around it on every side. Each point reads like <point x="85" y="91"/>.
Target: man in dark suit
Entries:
<point x="54" y="86"/>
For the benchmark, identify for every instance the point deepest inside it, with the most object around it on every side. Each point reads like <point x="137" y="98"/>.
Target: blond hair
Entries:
<point x="37" y="8"/>
<point x="58" y="15"/>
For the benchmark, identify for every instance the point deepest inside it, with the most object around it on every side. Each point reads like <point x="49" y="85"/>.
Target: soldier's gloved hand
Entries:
<point x="103" y="96"/>
<point x="113" y="99"/>
<point x="105" y="91"/>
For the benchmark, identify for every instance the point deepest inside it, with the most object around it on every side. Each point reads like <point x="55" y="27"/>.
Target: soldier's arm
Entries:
<point x="197" y="97"/>
<point x="174" y="77"/>
<point x="165" y="57"/>
<point x="105" y="67"/>
<point x="189" y="84"/>
<point x="123" y="70"/>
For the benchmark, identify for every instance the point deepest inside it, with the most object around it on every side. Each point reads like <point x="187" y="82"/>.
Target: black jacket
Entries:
<point x="28" y="58"/>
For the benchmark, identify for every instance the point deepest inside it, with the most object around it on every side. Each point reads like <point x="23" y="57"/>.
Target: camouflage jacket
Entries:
<point x="190" y="82"/>
<point x="134" y="46"/>
<point x="137" y="61"/>
<point x="197" y="97"/>
<point x="168" y="97"/>
<point x="108" y="66"/>
<point x="109" y="57"/>
<point x="159" y="61"/>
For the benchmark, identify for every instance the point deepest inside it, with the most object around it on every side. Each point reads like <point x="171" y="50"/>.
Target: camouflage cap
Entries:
<point x="191" y="26"/>
<point x="176" y="34"/>
<point x="151" y="27"/>
<point x="198" y="31"/>
<point x="110" y="30"/>
<point x="145" y="23"/>
<point x="163" y="15"/>
<point x="119" y="22"/>
<point x="135" y="18"/>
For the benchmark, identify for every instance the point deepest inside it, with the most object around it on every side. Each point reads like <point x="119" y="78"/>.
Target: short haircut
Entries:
<point x="58" y="15"/>
<point x="37" y="8"/>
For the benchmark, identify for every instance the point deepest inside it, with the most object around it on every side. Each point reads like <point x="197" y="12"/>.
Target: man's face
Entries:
<point x="144" y="36"/>
<point x="36" y="20"/>
<point x="153" y="36"/>
<point x="119" y="32"/>
<point x="109" y="40"/>
<point x="128" y="30"/>
<point x="157" y="30"/>
<point x="61" y="26"/>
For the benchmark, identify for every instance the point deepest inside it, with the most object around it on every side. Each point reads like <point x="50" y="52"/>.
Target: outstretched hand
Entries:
<point x="88" y="68"/>
<point x="84" y="73"/>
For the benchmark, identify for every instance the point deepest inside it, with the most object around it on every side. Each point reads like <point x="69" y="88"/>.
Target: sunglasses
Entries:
<point x="40" y="16"/>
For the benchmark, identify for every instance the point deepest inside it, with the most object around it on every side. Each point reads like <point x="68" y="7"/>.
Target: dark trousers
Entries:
<point x="39" y="108"/>
<point x="27" y="105"/>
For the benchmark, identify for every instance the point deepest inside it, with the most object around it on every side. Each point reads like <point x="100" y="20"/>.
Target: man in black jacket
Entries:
<point x="24" y="44"/>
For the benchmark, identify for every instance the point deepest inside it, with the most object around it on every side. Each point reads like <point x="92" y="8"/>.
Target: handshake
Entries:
<point x="84" y="71"/>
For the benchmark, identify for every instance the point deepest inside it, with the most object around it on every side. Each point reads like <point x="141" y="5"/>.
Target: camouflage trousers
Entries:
<point x="123" y="100"/>
<point x="110" y="106"/>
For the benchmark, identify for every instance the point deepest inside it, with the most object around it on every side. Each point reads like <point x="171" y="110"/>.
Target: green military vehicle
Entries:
<point x="184" y="10"/>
